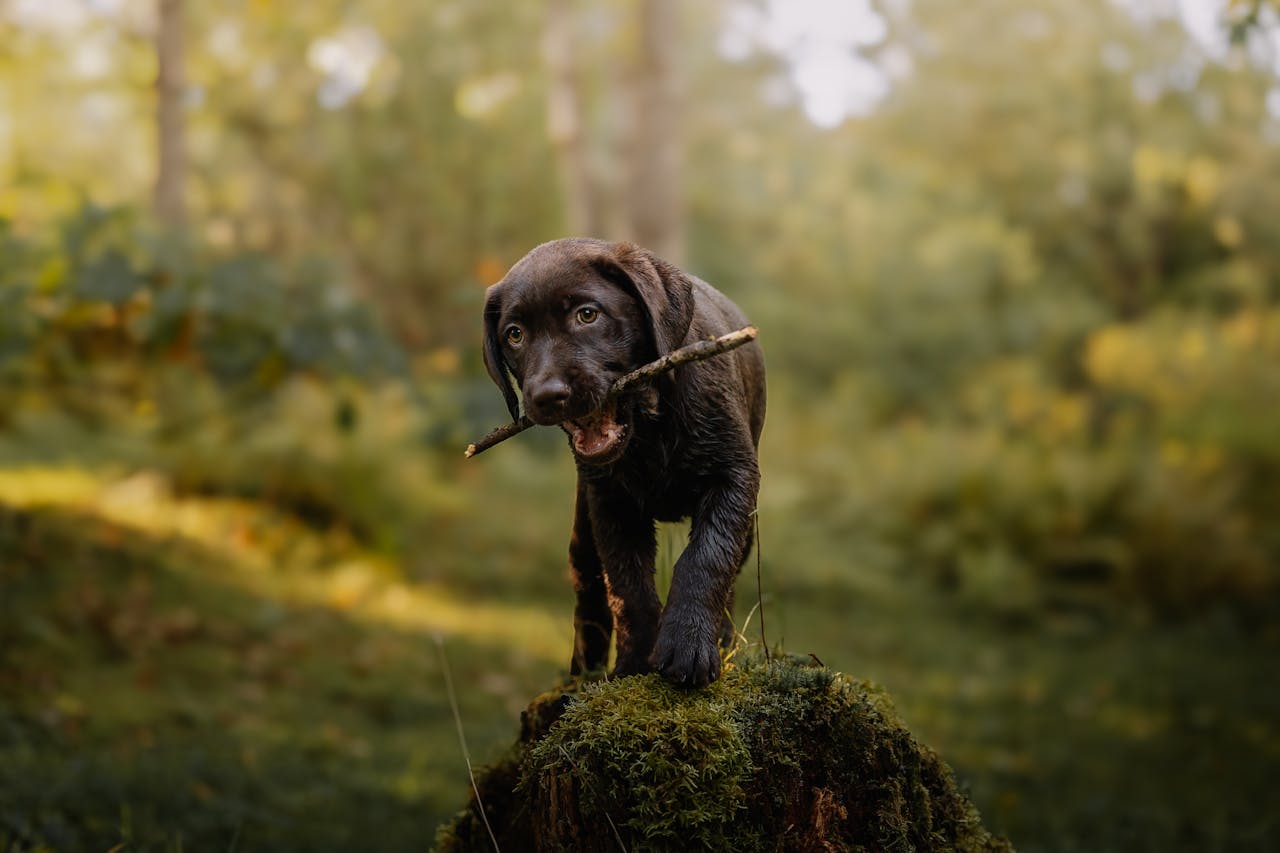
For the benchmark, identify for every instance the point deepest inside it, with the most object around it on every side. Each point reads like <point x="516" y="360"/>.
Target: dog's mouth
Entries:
<point x="597" y="437"/>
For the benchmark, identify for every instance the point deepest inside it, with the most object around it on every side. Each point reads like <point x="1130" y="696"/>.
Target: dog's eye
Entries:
<point x="515" y="335"/>
<point x="587" y="314"/>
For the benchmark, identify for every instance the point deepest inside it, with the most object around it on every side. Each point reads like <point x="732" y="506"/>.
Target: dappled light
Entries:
<point x="274" y="556"/>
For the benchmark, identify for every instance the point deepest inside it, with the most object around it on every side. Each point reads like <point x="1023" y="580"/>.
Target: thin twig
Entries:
<point x="500" y="434"/>
<point x="693" y="352"/>
<point x="741" y="634"/>
<point x="462" y="740"/>
<point x="760" y="585"/>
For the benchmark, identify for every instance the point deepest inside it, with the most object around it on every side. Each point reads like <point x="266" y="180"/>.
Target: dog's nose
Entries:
<point x="547" y="398"/>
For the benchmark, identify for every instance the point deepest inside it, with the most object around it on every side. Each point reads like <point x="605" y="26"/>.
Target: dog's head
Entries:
<point x="571" y="317"/>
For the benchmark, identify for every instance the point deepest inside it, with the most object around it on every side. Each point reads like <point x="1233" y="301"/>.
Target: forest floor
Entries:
<point x="210" y="674"/>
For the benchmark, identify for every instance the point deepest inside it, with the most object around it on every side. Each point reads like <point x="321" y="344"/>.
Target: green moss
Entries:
<point x="777" y="755"/>
<point x="666" y="766"/>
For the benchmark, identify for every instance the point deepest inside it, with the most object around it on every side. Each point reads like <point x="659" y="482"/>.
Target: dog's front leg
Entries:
<point x="627" y="545"/>
<point x="686" y="651"/>
<point x="592" y="619"/>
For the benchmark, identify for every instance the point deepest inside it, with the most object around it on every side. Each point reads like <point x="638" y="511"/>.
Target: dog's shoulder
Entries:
<point x="733" y="384"/>
<point x="714" y="313"/>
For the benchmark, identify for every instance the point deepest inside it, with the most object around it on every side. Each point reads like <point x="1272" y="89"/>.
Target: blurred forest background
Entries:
<point x="1016" y="266"/>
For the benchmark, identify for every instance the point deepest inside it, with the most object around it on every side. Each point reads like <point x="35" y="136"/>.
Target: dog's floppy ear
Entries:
<point x="663" y="292"/>
<point x="493" y="360"/>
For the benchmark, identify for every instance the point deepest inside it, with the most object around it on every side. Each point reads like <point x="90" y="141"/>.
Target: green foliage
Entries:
<point x="1004" y="310"/>
<point x="110" y="734"/>
<point x="215" y="685"/>
<point x="1033" y="496"/>
<point x="109" y="293"/>
<point x="182" y="353"/>
<point x="1246" y="17"/>
<point x="152" y="644"/>
<point x="1021" y="323"/>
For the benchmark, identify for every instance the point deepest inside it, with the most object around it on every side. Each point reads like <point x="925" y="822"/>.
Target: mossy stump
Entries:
<point x="776" y="755"/>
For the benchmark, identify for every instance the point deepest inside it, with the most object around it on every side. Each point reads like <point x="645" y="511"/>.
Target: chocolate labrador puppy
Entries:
<point x="567" y="320"/>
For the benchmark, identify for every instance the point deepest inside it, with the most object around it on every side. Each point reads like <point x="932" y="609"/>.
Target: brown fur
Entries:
<point x="688" y="451"/>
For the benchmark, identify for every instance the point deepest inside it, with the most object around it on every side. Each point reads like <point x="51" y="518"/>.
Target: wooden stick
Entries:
<point x="693" y="352"/>
<point x="697" y="351"/>
<point x="500" y="434"/>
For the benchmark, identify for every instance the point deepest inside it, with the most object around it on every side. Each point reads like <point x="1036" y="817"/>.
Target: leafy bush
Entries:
<point x="92" y="317"/>
<point x="233" y="373"/>
<point x="1151" y="479"/>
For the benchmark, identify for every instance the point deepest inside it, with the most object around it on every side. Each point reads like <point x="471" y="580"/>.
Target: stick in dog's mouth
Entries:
<point x="693" y="352"/>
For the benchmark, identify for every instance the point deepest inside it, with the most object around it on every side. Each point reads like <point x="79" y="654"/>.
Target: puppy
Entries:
<point x="567" y="320"/>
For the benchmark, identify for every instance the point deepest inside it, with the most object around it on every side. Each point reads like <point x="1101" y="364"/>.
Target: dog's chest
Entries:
<point x="667" y="488"/>
<point x="671" y="500"/>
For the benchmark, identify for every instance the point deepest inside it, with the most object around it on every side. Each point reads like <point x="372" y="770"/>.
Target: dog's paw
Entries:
<point x="686" y="652"/>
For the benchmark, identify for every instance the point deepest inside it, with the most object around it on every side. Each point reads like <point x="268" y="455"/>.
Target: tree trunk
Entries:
<point x="654" y="199"/>
<point x="583" y="205"/>
<point x="645" y="204"/>
<point x="171" y="155"/>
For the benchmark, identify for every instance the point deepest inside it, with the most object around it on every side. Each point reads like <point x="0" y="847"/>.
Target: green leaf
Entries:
<point x="108" y="279"/>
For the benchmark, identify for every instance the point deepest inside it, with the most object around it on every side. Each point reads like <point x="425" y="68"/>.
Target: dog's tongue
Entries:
<point x="595" y="433"/>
